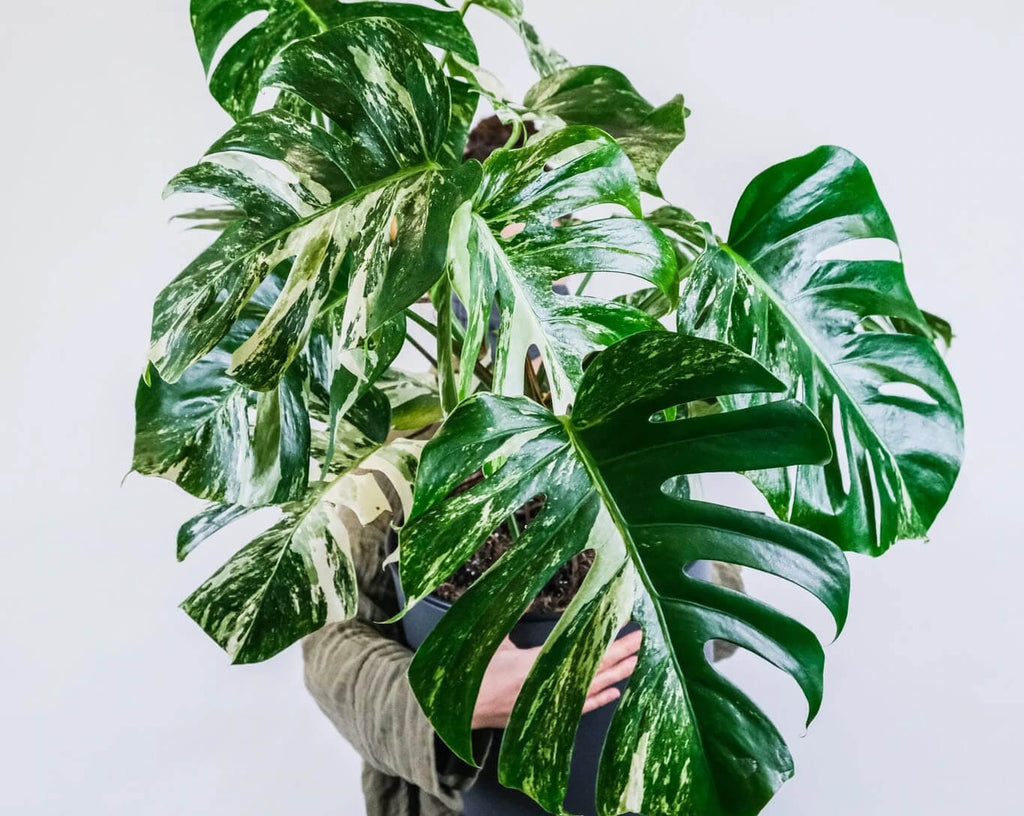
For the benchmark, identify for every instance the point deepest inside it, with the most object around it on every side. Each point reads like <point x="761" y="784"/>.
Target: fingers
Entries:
<point x="602" y="698"/>
<point x="609" y="677"/>
<point x="621" y="649"/>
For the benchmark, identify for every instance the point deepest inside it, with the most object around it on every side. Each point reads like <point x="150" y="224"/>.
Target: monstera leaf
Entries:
<point x="219" y="439"/>
<point x="788" y="290"/>
<point x="603" y="97"/>
<point x="683" y="739"/>
<point x="235" y="79"/>
<point x="364" y="208"/>
<point x="544" y="60"/>
<point x="513" y="242"/>
<point x="298" y="575"/>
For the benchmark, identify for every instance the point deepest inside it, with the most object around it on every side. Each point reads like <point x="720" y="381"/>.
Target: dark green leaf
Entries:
<point x="683" y="740"/>
<point x="788" y="290"/>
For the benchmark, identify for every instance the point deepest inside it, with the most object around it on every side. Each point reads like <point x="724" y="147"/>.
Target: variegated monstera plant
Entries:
<point x="347" y="217"/>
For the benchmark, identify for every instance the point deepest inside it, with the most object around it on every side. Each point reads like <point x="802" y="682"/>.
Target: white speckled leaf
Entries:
<point x="683" y="741"/>
<point x="219" y="439"/>
<point x="322" y="204"/>
<point x="510" y="248"/>
<point x="602" y="97"/>
<point x="235" y="78"/>
<point x="298" y="575"/>
<point x="840" y="325"/>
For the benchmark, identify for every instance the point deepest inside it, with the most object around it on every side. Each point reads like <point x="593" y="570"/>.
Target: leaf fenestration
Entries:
<point x="321" y="202"/>
<point x="790" y="289"/>
<point x="517" y="239"/>
<point x="235" y="80"/>
<point x="683" y="740"/>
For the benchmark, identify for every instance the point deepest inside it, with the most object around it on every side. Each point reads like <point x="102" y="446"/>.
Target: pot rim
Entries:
<point x="440" y="603"/>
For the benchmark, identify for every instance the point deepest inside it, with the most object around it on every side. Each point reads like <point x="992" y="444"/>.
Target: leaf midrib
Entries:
<point x="827" y="365"/>
<point x="605" y="494"/>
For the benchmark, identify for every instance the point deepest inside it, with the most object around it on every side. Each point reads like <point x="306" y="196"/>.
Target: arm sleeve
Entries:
<point x="357" y="672"/>
<point x="358" y="678"/>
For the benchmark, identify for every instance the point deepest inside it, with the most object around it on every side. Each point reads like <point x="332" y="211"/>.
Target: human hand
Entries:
<point x="510" y="665"/>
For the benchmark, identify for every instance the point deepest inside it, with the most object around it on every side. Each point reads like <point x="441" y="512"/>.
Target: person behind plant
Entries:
<point x="357" y="670"/>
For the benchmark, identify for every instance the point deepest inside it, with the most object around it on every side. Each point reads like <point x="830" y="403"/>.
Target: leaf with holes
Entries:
<point x="601" y="96"/>
<point x="298" y="575"/>
<point x="683" y="739"/>
<point x="219" y="439"/>
<point x="790" y="290"/>
<point x="235" y="77"/>
<point x="364" y="208"/>
<point x="514" y="241"/>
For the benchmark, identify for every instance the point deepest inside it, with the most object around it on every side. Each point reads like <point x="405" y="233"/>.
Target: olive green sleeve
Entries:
<point x="359" y="679"/>
<point x="357" y="672"/>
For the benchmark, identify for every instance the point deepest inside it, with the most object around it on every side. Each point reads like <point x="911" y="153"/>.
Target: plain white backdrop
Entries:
<point x="113" y="702"/>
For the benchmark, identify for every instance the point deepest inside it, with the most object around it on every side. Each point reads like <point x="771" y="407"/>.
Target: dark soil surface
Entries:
<point x="558" y="591"/>
<point x="488" y="135"/>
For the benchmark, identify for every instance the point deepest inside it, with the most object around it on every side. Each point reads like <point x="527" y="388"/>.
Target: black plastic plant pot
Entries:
<point x="487" y="796"/>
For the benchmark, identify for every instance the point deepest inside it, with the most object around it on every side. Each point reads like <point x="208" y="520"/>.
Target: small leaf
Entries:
<point x="203" y="525"/>
<point x="603" y="97"/>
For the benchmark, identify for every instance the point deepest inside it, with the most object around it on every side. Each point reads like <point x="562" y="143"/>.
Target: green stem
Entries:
<point x="517" y="133"/>
<point x="462" y="13"/>
<point x="584" y="282"/>
<point x="445" y="371"/>
<point x="421" y="350"/>
<point x="422" y="322"/>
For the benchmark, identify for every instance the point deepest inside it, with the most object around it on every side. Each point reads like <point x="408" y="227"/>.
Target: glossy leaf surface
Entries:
<point x="794" y="290"/>
<point x="219" y="439"/>
<point x="298" y="575"/>
<point x="511" y="245"/>
<point x="364" y="209"/>
<point x="683" y="739"/>
<point x="235" y="79"/>
<point x="601" y="96"/>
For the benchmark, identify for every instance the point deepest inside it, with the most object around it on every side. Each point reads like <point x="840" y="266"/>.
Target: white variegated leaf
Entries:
<point x="298" y="575"/>
<point x="235" y="77"/>
<point x="362" y="208"/>
<point x="602" y="97"/>
<point x="545" y="60"/>
<point x="511" y="246"/>
<point x="219" y="439"/>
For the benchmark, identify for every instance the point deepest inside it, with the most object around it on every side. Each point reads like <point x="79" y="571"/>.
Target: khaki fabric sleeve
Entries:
<point x="357" y="672"/>
<point x="358" y="678"/>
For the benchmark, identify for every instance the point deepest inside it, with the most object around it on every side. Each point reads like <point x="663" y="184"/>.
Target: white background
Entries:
<point x="113" y="702"/>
